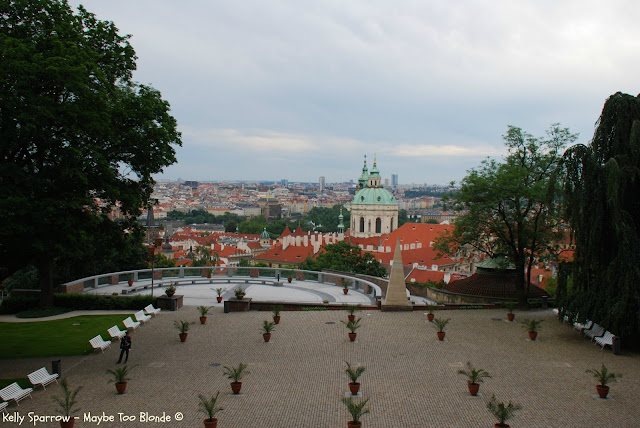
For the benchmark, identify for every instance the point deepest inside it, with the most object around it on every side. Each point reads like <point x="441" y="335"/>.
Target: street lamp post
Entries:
<point x="152" y="252"/>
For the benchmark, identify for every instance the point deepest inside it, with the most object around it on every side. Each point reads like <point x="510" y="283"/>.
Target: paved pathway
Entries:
<point x="298" y="379"/>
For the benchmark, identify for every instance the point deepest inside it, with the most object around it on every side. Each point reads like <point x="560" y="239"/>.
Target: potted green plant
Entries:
<point x="430" y="314"/>
<point x="66" y="403"/>
<point x="345" y="290"/>
<point x="510" y="307"/>
<point x="267" y="328"/>
<point x="501" y="411"/>
<point x="352" y="326"/>
<point x="440" y="324"/>
<point x="276" y="309"/>
<point x="235" y="374"/>
<point x="183" y="327"/>
<point x="356" y="409"/>
<point x="130" y="279"/>
<point x="170" y="290"/>
<point x="219" y="292"/>
<point x="354" y="374"/>
<point x="351" y="309"/>
<point x="604" y="376"/>
<point x="474" y="378"/>
<point x="209" y="407"/>
<point x="120" y="377"/>
<point x="289" y="274"/>
<point x="204" y="310"/>
<point x="532" y="327"/>
<point x="239" y="292"/>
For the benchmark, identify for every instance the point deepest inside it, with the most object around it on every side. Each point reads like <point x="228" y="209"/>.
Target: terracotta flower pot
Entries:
<point x="354" y="387"/>
<point x="183" y="336"/>
<point x="219" y="299"/>
<point x="473" y="388"/>
<point x="351" y="317"/>
<point x="603" y="390"/>
<point x="352" y="336"/>
<point x="235" y="387"/>
<point x="203" y="320"/>
<point x="345" y="290"/>
<point x="130" y="284"/>
<point x="239" y="296"/>
<point x="532" y="336"/>
<point x="510" y="317"/>
<point x="68" y="424"/>
<point x="430" y="317"/>
<point x="276" y="319"/>
<point x="211" y="423"/>
<point x="121" y="387"/>
<point x="289" y="280"/>
<point x="170" y="293"/>
<point x="440" y="335"/>
<point x="267" y="336"/>
<point x="352" y="424"/>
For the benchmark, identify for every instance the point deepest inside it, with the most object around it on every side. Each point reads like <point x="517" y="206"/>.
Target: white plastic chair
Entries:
<point x="14" y="392"/>
<point x="606" y="339"/>
<point x="141" y="317"/>
<point x="150" y="310"/>
<point x="131" y="324"/>
<point x="99" y="343"/>
<point x="594" y="331"/>
<point x="116" y="333"/>
<point x="42" y="377"/>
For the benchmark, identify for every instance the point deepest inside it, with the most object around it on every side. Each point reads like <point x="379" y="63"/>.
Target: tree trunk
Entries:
<point x="45" y="273"/>
<point x="521" y="289"/>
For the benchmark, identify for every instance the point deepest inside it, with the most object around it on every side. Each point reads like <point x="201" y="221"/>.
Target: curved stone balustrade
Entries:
<point x="176" y="273"/>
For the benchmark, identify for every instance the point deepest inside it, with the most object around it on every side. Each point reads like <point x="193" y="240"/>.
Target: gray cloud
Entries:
<point x="298" y="89"/>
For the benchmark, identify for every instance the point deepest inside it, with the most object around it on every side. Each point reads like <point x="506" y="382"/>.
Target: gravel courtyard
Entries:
<point x="298" y="378"/>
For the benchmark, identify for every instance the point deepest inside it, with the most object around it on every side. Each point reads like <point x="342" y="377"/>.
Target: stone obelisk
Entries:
<point x="396" y="298"/>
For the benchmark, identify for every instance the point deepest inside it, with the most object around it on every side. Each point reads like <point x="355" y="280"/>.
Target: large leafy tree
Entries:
<point x="345" y="257"/>
<point x="603" y="208"/>
<point x="77" y="134"/>
<point x="508" y="208"/>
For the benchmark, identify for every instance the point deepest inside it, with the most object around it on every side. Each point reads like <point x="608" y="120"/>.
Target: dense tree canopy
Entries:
<point x="509" y="208"/>
<point x="345" y="257"/>
<point x="77" y="134"/>
<point x="603" y="208"/>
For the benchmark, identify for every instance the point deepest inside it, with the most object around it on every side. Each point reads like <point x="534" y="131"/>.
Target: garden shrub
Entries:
<point x="93" y="301"/>
<point x="13" y="305"/>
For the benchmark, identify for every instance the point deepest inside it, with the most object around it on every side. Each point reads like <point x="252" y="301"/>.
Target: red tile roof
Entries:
<point x="424" y="276"/>
<point x="291" y="254"/>
<point x="499" y="285"/>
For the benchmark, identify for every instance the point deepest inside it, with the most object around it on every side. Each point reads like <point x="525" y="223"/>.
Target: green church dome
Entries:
<point x="374" y="196"/>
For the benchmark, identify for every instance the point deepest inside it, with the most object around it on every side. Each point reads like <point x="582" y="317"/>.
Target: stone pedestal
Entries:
<point x="172" y="303"/>
<point x="237" y="305"/>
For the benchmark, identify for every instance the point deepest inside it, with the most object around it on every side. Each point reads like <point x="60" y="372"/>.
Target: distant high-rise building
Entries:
<point x="284" y="182"/>
<point x="394" y="179"/>
<point x="322" y="184"/>
<point x="386" y="182"/>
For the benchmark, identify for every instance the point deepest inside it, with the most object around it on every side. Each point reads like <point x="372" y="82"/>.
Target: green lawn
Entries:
<point x="69" y="336"/>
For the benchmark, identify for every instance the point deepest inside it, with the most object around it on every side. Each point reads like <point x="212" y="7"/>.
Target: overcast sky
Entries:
<point x="296" y="89"/>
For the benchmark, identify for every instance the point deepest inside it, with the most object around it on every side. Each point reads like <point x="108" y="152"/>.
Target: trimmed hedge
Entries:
<point x="13" y="305"/>
<point x="94" y="301"/>
<point x="77" y="301"/>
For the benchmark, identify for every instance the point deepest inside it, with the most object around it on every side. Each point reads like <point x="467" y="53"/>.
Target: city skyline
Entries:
<point x="295" y="90"/>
